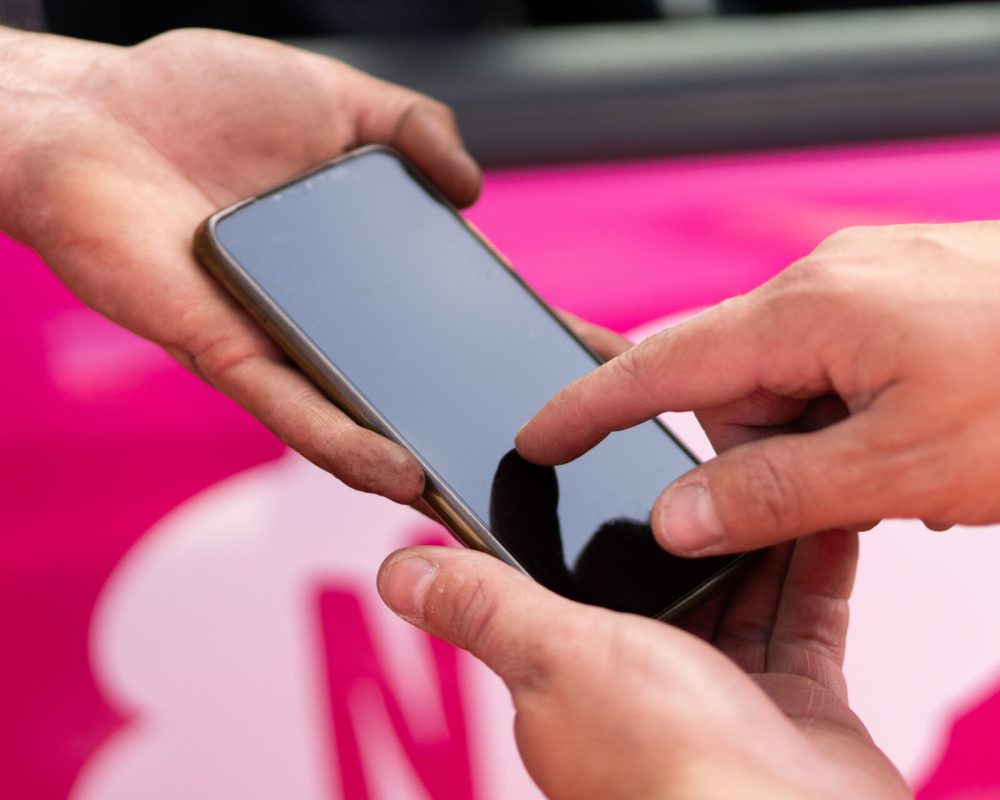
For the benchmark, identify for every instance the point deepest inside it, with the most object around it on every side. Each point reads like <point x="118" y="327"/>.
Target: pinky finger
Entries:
<point x="294" y="409"/>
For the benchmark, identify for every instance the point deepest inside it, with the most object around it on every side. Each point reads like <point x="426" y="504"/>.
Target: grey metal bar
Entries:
<point x="706" y="85"/>
<point x="27" y="15"/>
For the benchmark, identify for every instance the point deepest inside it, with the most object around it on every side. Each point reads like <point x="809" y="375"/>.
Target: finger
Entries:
<point x="294" y="409"/>
<point x="556" y="656"/>
<point x="428" y="134"/>
<point x="810" y="629"/>
<point x="516" y="627"/>
<point x="580" y="675"/>
<point x="937" y="526"/>
<point x="425" y="131"/>
<point x="822" y="412"/>
<point x="157" y="290"/>
<point x="747" y="419"/>
<point x="703" y="620"/>
<point x="726" y="353"/>
<point x="779" y="488"/>
<point x="606" y="343"/>
<point x="747" y="621"/>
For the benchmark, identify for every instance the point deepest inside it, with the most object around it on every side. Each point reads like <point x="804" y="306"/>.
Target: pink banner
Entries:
<point x="186" y="610"/>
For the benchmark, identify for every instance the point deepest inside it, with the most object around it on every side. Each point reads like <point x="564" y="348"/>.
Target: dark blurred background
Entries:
<point x="125" y="22"/>
<point x="539" y="81"/>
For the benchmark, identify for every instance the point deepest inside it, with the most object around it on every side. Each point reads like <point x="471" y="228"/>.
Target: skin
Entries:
<point x="745" y="698"/>
<point x="860" y="384"/>
<point x="113" y="156"/>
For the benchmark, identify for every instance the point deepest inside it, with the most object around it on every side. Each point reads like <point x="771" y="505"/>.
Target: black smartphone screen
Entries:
<point x="449" y="347"/>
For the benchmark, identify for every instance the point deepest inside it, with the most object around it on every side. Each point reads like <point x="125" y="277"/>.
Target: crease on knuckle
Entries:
<point x="749" y="629"/>
<point x="470" y="614"/>
<point x="633" y="368"/>
<point x="414" y="104"/>
<point x="825" y="617"/>
<point x="776" y="499"/>
<point x="221" y="357"/>
<point x="348" y="452"/>
<point x="464" y="608"/>
<point x="318" y="433"/>
<point x="818" y="647"/>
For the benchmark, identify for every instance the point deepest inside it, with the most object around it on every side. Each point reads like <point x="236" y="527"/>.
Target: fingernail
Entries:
<point x="688" y="522"/>
<point x="406" y="584"/>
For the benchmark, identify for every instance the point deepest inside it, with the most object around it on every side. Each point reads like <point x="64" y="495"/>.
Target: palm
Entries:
<point x="155" y="138"/>
<point x="784" y="624"/>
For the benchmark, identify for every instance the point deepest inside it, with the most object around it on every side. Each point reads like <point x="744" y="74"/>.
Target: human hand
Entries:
<point x="748" y="702"/>
<point x="112" y="156"/>
<point x="874" y="360"/>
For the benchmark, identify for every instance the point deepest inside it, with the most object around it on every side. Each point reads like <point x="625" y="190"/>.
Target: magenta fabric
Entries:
<point x="103" y="434"/>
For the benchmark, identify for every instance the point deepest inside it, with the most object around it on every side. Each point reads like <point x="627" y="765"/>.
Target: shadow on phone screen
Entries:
<point x="619" y="555"/>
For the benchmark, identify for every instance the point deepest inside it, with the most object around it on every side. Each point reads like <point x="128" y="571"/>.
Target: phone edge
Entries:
<point x="451" y="511"/>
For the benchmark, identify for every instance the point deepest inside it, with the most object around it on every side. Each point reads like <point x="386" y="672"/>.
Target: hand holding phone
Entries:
<point x="409" y="321"/>
<point x="742" y="700"/>
<point x="135" y="147"/>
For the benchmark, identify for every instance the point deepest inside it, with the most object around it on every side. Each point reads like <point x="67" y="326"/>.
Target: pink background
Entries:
<point x="104" y="435"/>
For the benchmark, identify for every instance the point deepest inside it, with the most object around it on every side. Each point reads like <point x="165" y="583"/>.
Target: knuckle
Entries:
<point x="466" y="609"/>
<point x="637" y="366"/>
<point x="473" y="617"/>
<point x="822" y="287"/>
<point x="834" y="266"/>
<point x="413" y="104"/>
<point x="770" y="492"/>
<point x="441" y="110"/>
<point x="320" y="430"/>
<point x="631" y="365"/>
<point x="924" y="243"/>
<point x="847" y="238"/>
<point x="363" y="460"/>
<point x="218" y="359"/>
<point x="191" y="37"/>
<point x="815" y="273"/>
<point x="463" y="607"/>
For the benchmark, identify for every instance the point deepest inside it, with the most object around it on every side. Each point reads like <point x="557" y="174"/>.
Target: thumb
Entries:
<point x="516" y="627"/>
<point x="423" y="129"/>
<point x="779" y="488"/>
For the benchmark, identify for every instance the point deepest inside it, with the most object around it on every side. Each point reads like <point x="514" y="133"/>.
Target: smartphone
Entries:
<point x="406" y="318"/>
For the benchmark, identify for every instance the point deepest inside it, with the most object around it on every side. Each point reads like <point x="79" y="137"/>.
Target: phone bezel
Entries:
<point x="451" y="509"/>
